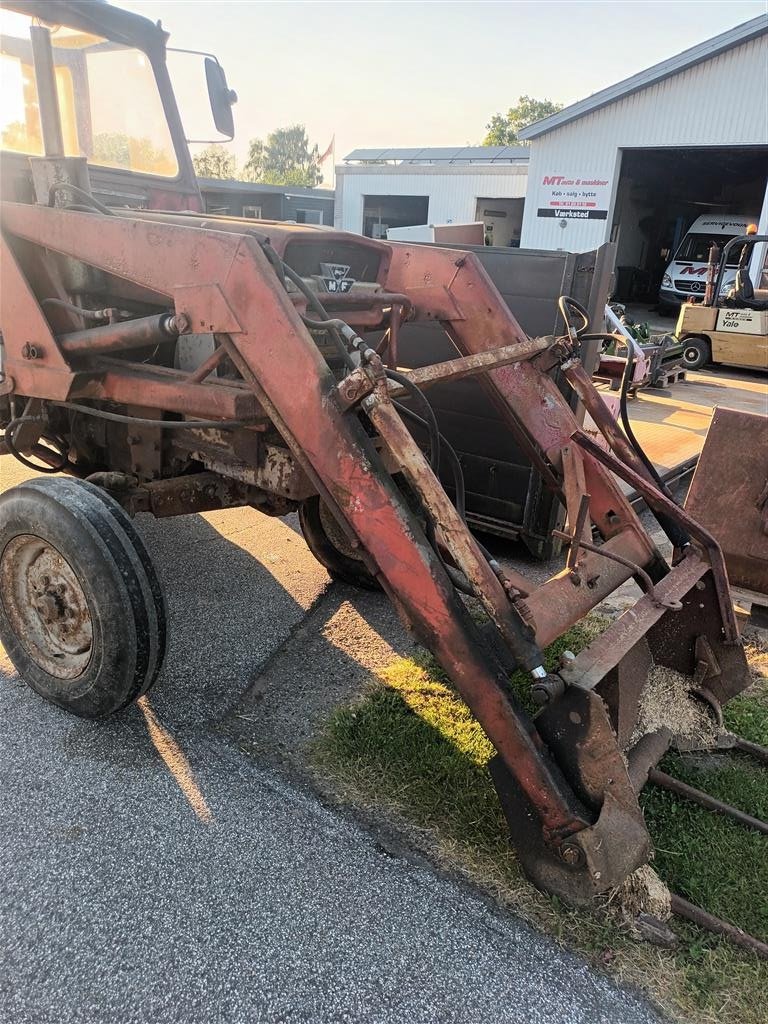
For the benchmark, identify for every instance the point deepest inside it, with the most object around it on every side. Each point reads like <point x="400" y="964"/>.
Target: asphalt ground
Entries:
<point x="150" y="871"/>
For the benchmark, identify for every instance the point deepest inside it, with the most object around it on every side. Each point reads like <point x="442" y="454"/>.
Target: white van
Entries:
<point x="686" y="275"/>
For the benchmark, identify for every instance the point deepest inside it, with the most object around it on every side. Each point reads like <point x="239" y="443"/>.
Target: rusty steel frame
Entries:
<point x="220" y="281"/>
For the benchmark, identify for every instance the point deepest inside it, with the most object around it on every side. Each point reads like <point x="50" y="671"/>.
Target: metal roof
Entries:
<point x="230" y="185"/>
<point x="441" y="155"/>
<point x="688" y="58"/>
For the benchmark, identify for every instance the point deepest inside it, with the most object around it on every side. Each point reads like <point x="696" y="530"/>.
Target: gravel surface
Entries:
<point x="153" y="873"/>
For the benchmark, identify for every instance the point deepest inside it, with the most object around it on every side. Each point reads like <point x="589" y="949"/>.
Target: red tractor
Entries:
<point x="164" y="361"/>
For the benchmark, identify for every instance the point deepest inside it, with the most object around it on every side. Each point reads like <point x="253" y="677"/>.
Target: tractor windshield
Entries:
<point x="111" y="111"/>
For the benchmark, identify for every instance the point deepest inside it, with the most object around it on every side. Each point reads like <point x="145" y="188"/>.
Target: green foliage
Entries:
<point x="503" y="129"/>
<point x="215" y="162"/>
<point x="135" y="153"/>
<point x="284" y="159"/>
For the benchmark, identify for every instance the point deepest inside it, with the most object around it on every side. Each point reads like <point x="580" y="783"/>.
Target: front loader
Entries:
<point x="170" y="362"/>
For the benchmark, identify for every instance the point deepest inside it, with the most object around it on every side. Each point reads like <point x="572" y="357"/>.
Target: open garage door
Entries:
<point x="661" y="193"/>
<point x="382" y="212"/>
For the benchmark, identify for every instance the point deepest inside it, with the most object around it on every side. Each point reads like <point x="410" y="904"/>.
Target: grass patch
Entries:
<point x="411" y="749"/>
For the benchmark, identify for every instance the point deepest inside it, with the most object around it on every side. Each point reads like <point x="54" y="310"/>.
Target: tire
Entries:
<point x="696" y="353"/>
<point x="82" y="615"/>
<point x="329" y="545"/>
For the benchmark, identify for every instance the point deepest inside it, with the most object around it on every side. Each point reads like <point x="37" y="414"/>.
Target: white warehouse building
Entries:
<point x="391" y="188"/>
<point x="638" y="162"/>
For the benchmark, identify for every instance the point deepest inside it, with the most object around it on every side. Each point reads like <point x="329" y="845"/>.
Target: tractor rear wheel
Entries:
<point x="331" y="547"/>
<point x="82" y="615"/>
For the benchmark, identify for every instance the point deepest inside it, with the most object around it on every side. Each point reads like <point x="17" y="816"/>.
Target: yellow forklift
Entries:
<point x="729" y="329"/>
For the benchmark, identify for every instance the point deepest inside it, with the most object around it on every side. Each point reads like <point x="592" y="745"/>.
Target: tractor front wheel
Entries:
<point x="82" y="616"/>
<point x="331" y="546"/>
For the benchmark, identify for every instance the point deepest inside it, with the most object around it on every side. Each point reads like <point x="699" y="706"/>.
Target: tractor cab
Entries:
<point x="88" y="102"/>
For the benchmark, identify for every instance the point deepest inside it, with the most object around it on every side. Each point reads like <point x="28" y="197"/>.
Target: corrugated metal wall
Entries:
<point x="721" y="102"/>
<point x="453" y="191"/>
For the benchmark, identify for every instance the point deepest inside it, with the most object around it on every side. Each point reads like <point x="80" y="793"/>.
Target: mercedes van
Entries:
<point x="686" y="275"/>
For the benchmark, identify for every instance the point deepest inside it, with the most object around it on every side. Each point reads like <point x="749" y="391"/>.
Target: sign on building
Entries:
<point x="574" y="197"/>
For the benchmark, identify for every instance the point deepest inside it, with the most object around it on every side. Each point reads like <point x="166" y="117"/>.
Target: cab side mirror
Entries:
<point x="221" y="97"/>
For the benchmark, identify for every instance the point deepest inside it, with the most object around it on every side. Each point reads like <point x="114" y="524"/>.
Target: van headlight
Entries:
<point x="666" y="281"/>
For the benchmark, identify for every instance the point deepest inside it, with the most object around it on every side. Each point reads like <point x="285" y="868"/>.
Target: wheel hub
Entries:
<point x="46" y="606"/>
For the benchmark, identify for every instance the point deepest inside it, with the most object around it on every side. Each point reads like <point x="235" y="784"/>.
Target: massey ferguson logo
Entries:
<point x="335" y="277"/>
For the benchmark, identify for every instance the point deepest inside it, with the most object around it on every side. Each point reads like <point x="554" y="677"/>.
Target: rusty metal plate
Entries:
<point x="729" y="494"/>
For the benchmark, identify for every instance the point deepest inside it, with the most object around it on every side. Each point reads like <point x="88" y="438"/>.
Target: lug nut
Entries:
<point x="571" y="855"/>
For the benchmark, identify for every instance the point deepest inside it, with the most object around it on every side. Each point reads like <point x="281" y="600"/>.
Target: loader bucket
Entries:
<point x="658" y="676"/>
<point x="729" y="494"/>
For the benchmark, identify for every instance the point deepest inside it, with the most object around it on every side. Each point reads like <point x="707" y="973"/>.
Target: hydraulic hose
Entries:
<point x="566" y="304"/>
<point x="429" y="419"/>
<point x="678" y="536"/>
<point x="324" y="323"/>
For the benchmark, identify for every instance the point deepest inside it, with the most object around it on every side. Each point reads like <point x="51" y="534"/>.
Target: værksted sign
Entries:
<point x="573" y="197"/>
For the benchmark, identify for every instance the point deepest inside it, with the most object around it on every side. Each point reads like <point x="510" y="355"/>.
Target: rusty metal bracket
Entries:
<point x="352" y="389"/>
<point x="660" y="502"/>
<point x="645" y="581"/>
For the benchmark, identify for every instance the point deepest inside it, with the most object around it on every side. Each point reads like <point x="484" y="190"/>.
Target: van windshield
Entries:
<point x="111" y="111"/>
<point x="695" y="249"/>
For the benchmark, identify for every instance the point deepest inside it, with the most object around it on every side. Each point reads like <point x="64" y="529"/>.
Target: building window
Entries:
<point x="252" y="211"/>
<point x="309" y="216"/>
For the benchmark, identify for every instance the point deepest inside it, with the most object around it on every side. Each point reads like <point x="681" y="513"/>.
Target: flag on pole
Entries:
<point x="329" y="151"/>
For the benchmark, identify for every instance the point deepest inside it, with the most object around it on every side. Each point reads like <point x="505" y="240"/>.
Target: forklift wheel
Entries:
<point x="696" y="353"/>
<point x="81" y="610"/>
<point x="330" y="546"/>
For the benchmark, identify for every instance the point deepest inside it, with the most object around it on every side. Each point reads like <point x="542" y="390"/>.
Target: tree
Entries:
<point x="503" y="129"/>
<point x="116" y="149"/>
<point x="215" y="162"/>
<point x="284" y="159"/>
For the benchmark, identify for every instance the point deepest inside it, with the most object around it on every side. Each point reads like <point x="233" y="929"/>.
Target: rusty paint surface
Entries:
<point x="729" y="494"/>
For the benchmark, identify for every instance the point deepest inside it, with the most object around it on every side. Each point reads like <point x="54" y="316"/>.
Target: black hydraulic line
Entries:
<point x="274" y="259"/>
<point x="325" y="323"/>
<point x="10" y="445"/>
<point x="460" y="504"/>
<point x="86" y="314"/>
<point x="566" y="303"/>
<point x="674" y="532"/>
<point x="140" y="421"/>
<point x="66" y="186"/>
<point x="429" y="419"/>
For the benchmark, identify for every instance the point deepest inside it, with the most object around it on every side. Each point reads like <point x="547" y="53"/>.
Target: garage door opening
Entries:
<point x="382" y="212"/>
<point x="503" y="220"/>
<point x="661" y="192"/>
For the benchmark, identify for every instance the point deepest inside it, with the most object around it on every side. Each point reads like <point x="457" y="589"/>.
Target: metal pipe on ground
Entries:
<point x="710" y="803"/>
<point x="682" y="908"/>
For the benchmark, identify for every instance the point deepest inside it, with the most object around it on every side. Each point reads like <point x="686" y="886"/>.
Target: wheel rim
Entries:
<point x="46" y="606"/>
<point x="337" y="536"/>
<point x="692" y="355"/>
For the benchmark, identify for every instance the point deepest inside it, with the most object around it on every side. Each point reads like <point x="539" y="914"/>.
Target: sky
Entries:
<point x="384" y="74"/>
